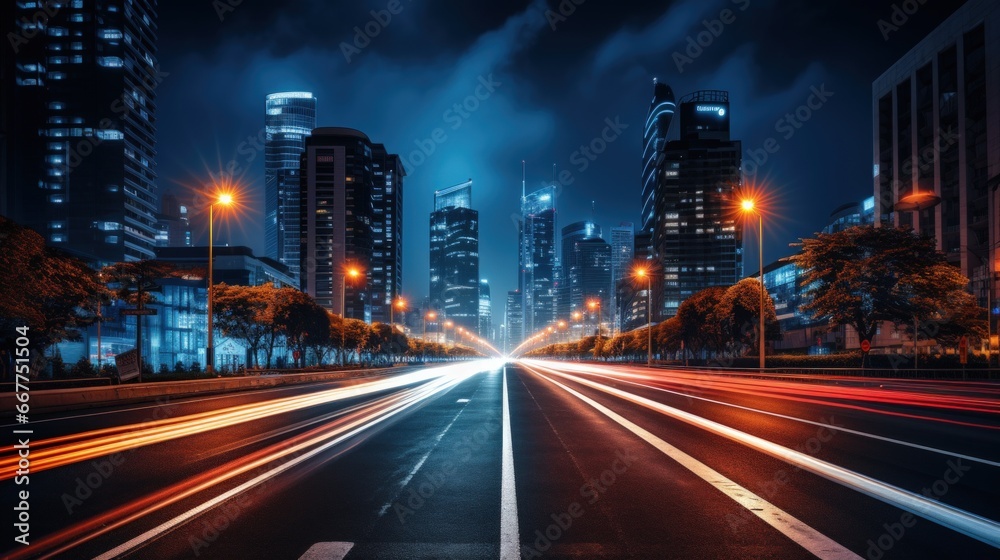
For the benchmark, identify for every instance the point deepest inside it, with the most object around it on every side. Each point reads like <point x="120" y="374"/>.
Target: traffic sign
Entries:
<point x="138" y="312"/>
<point x="866" y="346"/>
<point x="128" y="364"/>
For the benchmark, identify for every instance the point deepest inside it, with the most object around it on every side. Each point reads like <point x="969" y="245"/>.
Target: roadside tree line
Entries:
<point x="862" y="277"/>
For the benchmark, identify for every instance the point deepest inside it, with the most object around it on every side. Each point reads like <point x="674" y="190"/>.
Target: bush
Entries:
<point x="179" y="367"/>
<point x="195" y="367"/>
<point x="58" y="367"/>
<point x="82" y="368"/>
<point x="164" y="369"/>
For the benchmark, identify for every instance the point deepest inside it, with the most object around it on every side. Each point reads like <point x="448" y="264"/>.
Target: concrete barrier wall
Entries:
<point x="55" y="400"/>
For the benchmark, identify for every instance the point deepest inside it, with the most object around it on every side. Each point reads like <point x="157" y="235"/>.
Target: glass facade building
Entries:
<point x="513" y="320"/>
<point x="538" y="258"/>
<point x="387" y="232"/>
<point x="485" y="311"/>
<point x="590" y="278"/>
<point x="289" y="119"/>
<point x="654" y="138"/>
<point x="622" y="255"/>
<point x="81" y="96"/>
<point x="454" y="256"/>
<point x="698" y="237"/>
<point x="937" y="129"/>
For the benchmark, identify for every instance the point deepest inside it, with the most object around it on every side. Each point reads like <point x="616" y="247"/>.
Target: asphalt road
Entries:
<point x="527" y="459"/>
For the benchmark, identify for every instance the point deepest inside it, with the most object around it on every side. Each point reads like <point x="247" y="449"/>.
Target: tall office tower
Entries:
<point x="571" y="234"/>
<point x="8" y="110"/>
<point x="172" y="222"/>
<point x="84" y="92"/>
<point x="698" y="237"/>
<point x="387" y="229"/>
<point x="514" y="320"/>
<point x="622" y="254"/>
<point x="454" y="256"/>
<point x="336" y="217"/>
<point x="590" y="277"/>
<point x="632" y="300"/>
<point x="661" y="111"/>
<point x="937" y="132"/>
<point x="289" y="119"/>
<point x="538" y="254"/>
<point x="485" y="311"/>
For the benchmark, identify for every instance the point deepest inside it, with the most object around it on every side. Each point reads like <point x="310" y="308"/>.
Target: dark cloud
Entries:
<point x="557" y="90"/>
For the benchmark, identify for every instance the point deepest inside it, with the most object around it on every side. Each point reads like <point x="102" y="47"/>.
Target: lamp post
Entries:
<point x="224" y="199"/>
<point x="429" y="315"/>
<point x="401" y="304"/>
<point x="349" y="272"/>
<point x="749" y="206"/>
<point x="596" y="304"/>
<point x="643" y="273"/>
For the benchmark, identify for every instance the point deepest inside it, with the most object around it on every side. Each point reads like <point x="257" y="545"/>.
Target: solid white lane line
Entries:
<point x="169" y="525"/>
<point x="812" y="422"/>
<point x="510" y="539"/>
<point x="805" y="536"/>
<point x="967" y="523"/>
<point x="327" y="551"/>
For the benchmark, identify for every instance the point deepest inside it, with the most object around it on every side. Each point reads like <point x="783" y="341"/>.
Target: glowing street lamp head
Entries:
<point x="449" y="324"/>
<point x="353" y="272"/>
<point x="641" y="272"/>
<point x="592" y="304"/>
<point x="400" y="303"/>
<point x="747" y="205"/>
<point x="225" y="199"/>
<point x="431" y="315"/>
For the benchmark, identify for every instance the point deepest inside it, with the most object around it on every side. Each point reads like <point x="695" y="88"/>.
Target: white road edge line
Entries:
<point x="510" y="537"/>
<point x="327" y="551"/>
<point x="956" y="519"/>
<point x="805" y="536"/>
<point x="612" y="377"/>
<point x="169" y="525"/>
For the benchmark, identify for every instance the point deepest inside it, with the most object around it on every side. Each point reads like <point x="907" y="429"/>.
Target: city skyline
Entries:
<point x="489" y="143"/>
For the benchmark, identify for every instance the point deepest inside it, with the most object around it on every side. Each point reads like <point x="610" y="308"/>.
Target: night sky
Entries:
<point x="557" y="89"/>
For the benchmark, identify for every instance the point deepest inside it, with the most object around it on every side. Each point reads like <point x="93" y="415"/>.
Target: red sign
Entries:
<point x="866" y="346"/>
<point x="963" y="350"/>
<point x="295" y="355"/>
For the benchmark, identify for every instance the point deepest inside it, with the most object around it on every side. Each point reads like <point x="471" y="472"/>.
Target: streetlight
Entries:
<point x="429" y="315"/>
<point x="224" y="199"/>
<point x="643" y="273"/>
<point x="592" y="305"/>
<point x="399" y="303"/>
<point x="749" y="206"/>
<point x="353" y="273"/>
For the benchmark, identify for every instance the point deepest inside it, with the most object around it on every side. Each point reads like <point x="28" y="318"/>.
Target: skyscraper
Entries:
<point x="697" y="236"/>
<point x="937" y="131"/>
<point x="513" y="320"/>
<point x="661" y="111"/>
<point x="571" y="234"/>
<point x="622" y="254"/>
<point x="538" y="257"/>
<point x="173" y="224"/>
<point x="387" y="230"/>
<point x="84" y="91"/>
<point x="485" y="311"/>
<point x="336" y="217"/>
<point x="288" y="120"/>
<point x="454" y="256"/>
<point x="590" y="277"/>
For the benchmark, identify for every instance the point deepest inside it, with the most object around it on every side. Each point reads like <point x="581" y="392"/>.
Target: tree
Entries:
<point x="302" y="321"/>
<point x="941" y="306"/>
<point x="864" y="275"/>
<point x="51" y="293"/>
<point x="738" y="312"/>
<point x="698" y="323"/>
<point x="239" y="312"/>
